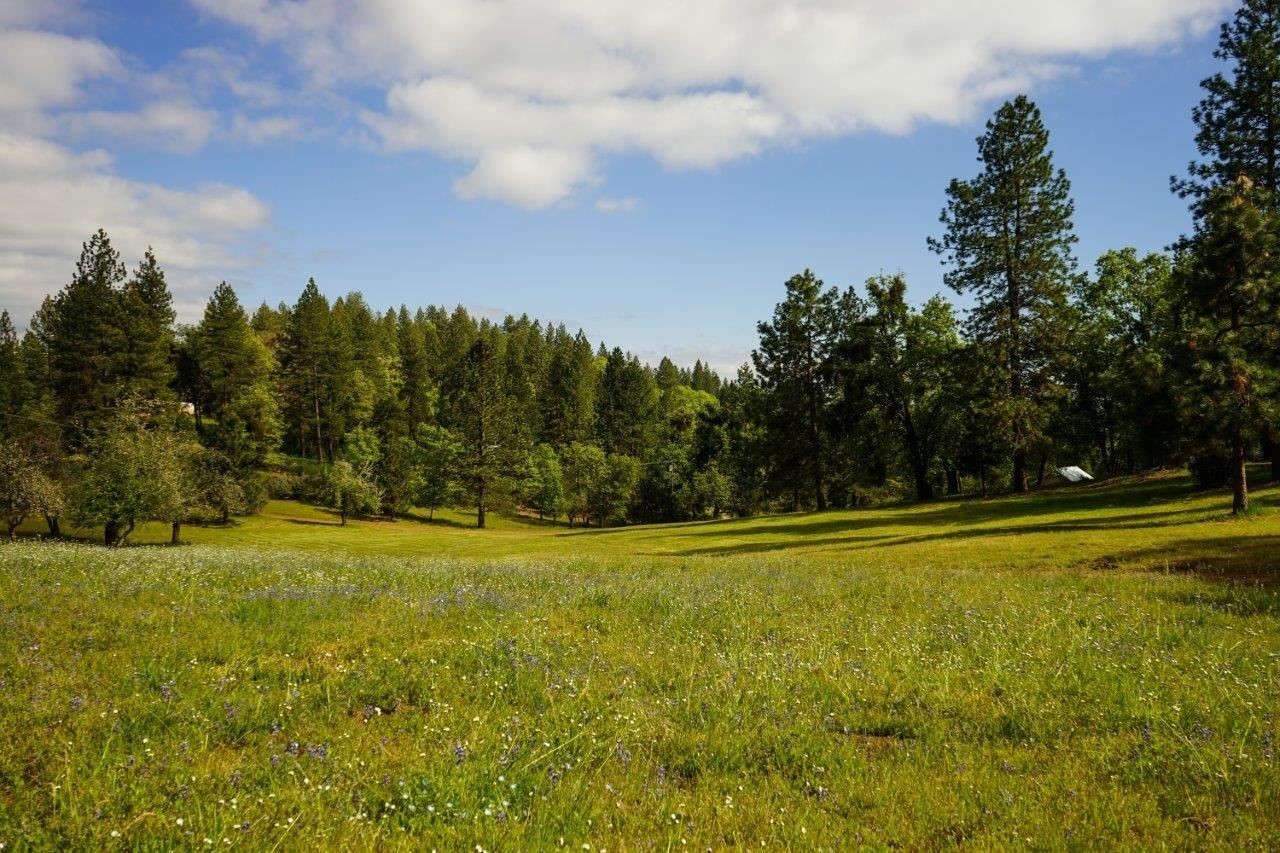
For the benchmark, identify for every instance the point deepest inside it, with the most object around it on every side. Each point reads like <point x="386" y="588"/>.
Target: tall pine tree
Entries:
<point x="1008" y="242"/>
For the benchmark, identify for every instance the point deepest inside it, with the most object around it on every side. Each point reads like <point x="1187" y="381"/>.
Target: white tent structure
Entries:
<point x="1072" y="474"/>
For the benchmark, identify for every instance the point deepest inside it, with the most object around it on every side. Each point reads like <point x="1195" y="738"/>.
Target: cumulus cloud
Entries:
<point x="535" y="94"/>
<point x="40" y="69"/>
<point x="55" y="198"/>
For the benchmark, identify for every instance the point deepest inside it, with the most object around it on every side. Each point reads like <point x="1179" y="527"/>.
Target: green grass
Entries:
<point x="1080" y="668"/>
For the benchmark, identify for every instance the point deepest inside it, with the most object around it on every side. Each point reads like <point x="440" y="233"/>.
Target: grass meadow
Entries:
<point x="1086" y="667"/>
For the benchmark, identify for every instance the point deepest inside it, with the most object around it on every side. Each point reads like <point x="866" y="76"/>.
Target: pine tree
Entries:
<point x="908" y="372"/>
<point x="147" y="314"/>
<point x="1238" y="129"/>
<point x="482" y="419"/>
<point x="305" y="372"/>
<point x="569" y="392"/>
<point x="1227" y="273"/>
<point x="794" y="362"/>
<point x="1238" y="120"/>
<point x="13" y="391"/>
<point x="415" y="386"/>
<point x="1008" y="242"/>
<point x="626" y="406"/>
<point x="235" y="372"/>
<point x="82" y="333"/>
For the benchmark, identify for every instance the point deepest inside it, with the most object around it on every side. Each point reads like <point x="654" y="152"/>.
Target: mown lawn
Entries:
<point x="1085" y="667"/>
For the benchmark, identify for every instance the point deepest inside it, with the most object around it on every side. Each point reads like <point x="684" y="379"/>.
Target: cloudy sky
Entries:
<point x="649" y="171"/>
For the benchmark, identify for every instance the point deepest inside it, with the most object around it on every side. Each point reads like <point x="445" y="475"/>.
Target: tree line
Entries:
<point x="111" y="414"/>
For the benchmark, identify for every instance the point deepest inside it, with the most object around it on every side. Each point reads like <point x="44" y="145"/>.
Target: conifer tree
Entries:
<point x="908" y="372"/>
<point x="1238" y="121"/>
<point x="415" y="385"/>
<point x="482" y="420"/>
<point x="1238" y="131"/>
<point x="147" y="316"/>
<point x="82" y="334"/>
<point x="626" y="406"/>
<point x="305" y="371"/>
<point x="12" y="378"/>
<point x="1008" y="242"/>
<point x="234" y="370"/>
<point x="794" y="362"/>
<point x="1227" y="273"/>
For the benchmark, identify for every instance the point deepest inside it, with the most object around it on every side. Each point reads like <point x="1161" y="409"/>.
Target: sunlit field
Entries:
<point x="1086" y="667"/>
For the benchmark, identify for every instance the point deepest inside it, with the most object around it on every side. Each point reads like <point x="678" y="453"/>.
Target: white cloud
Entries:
<point x="266" y="129"/>
<point x="176" y="126"/>
<point x="534" y="93"/>
<point x="39" y="69"/>
<point x="618" y="205"/>
<point x="55" y="198"/>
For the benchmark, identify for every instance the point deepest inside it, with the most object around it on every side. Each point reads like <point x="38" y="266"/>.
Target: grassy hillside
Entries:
<point x="1084" y="667"/>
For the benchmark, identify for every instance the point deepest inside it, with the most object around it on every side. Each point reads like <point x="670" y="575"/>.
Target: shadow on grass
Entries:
<point x="842" y="533"/>
<point x="1238" y="560"/>
<point x="415" y="518"/>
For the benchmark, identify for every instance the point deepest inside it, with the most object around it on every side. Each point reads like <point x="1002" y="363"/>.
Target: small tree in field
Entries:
<point x="547" y="482"/>
<point x="24" y="488"/>
<point x="439" y="453"/>
<point x="134" y="471"/>
<point x="585" y="468"/>
<point x="351" y="490"/>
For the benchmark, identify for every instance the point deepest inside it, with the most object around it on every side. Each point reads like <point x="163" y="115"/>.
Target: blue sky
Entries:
<point x="571" y="160"/>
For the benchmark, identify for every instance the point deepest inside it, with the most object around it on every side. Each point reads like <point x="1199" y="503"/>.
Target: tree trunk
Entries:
<point x="55" y="525"/>
<point x="924" y="489"/>
<point x="319" y="439"/>
<point x="226" y="515"/>
<point x="13" y="536"/>
<point x="480" y="512"/>
<point x="175" y="536"/>
<point x="1239" y="476"/>
<point x="1044" y="461"/>
<point x="342" y="516"/>
<point x="1020" y="471"/>
<point x="127" y="531"/>
<point x="953" y="482"/>
<point x="110" y="533"/>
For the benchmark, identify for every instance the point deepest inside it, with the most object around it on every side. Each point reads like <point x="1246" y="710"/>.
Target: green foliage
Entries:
<point x="585" y="469"/>
<point x="104" y="339"/>
<point x="232" y="382"/>
<point x="351" y="490"/>
<point x="25" y="489"/>
<point x="1238" y="121"/>
<point x="546" y="485"/>
<point x="439" y="460"/>
<point x="617" y="486"/>
<point x="626" y="404"/>
<point x="483" y="421"/>
<point x="135" y="469"/>
<point x="905" y="367"/>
